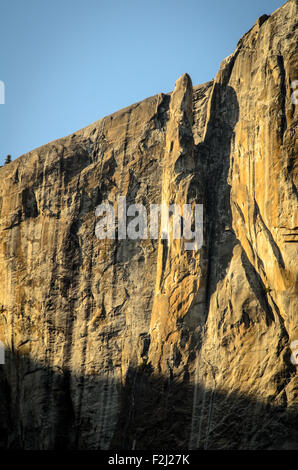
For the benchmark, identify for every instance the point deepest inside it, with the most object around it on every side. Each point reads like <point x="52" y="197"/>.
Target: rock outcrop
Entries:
<point x="122" y="343"/>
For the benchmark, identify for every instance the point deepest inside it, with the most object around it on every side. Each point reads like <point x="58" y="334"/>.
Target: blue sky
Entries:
<point x="67" y="63"/>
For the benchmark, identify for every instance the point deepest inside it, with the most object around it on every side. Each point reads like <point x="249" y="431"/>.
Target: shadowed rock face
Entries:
<point x="122" y="343"/>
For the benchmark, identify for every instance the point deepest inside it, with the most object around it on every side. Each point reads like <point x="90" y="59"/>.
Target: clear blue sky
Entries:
<point x="67" y="63"/>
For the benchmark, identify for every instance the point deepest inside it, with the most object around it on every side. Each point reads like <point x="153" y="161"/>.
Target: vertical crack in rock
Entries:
<point x="178" y="271"/>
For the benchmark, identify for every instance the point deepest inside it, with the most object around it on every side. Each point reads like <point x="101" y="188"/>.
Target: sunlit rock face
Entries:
<point x="121" y="344"/>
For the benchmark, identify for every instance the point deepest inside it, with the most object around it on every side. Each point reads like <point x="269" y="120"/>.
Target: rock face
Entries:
<point x="121" y="344"/>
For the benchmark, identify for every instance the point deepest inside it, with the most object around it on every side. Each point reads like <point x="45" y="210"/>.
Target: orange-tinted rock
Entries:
<point x="141" y="343"/>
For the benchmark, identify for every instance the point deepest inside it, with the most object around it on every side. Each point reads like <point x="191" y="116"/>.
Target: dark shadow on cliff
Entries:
<point x="213" y="165"/>
<point x="214" y="161"/>
<point x="39" y="409"/>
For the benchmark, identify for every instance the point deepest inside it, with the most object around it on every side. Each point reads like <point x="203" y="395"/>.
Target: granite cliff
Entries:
<point x="121" y="344"/>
